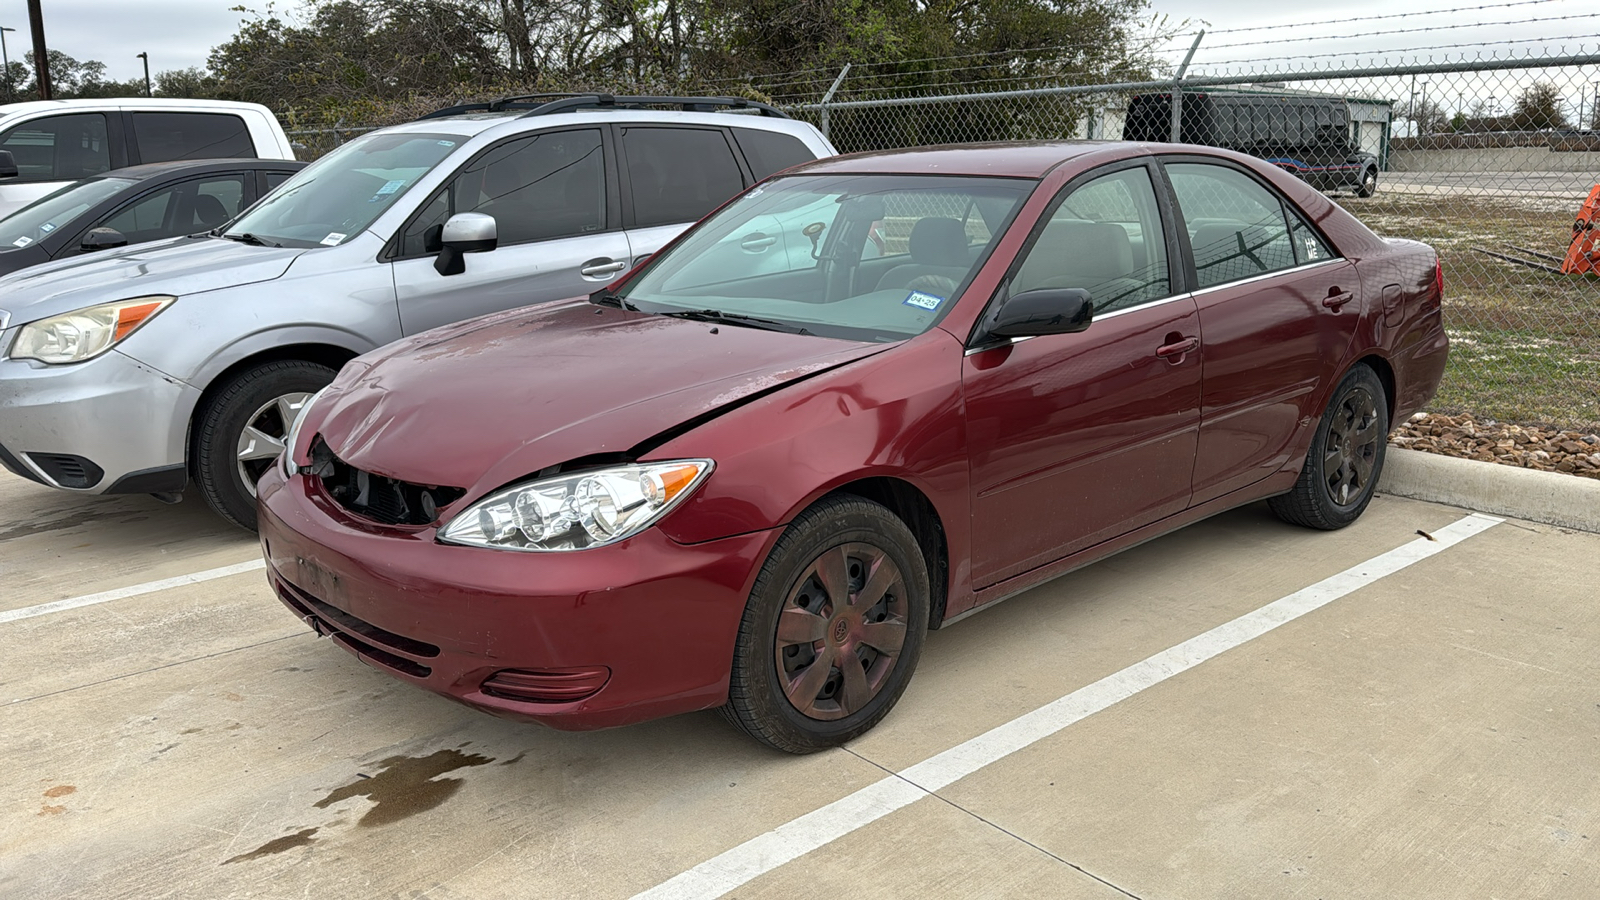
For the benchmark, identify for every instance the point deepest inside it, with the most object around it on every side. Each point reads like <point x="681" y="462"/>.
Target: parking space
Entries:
<point x="1428" y="732"/>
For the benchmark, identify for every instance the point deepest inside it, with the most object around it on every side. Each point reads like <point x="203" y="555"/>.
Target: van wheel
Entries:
<point x="240" y="431"/>
<point x="832" y="630"/>
<point x="1369" y="183"/>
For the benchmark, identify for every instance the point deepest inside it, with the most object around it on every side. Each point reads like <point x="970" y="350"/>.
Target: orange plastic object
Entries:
<point x="1583" y="256"/>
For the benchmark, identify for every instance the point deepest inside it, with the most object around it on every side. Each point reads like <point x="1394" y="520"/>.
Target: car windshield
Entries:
<point x="863" y="257"/>
<point x="339" y="195"/>
<point x="56" y="210"/>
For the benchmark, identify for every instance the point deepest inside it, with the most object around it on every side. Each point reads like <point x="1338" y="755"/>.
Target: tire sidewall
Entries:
<point x="853" y="521"/>
<point x="1360" y="376"/>
<point x="218" y="430"/>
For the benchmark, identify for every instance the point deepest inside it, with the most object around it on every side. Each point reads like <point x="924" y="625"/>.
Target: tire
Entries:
<point x="1369" y="183"/>
<point x="783" y="697"/>
<point x="263" y="397"/>
<point x="1344" y="463"/>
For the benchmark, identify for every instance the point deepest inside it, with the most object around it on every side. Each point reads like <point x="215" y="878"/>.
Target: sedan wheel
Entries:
<point x="239" y="432"/>
<point x="1341" y="471"/>
<point x="833" y="628"/>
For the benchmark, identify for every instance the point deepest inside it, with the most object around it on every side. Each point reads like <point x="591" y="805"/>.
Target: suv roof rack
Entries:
<point x="549" y="104"/>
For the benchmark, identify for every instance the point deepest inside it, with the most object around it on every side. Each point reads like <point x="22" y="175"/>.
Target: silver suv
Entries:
<point x="134" y="370"/>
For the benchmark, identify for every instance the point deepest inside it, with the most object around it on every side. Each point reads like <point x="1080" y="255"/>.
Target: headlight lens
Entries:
<point x="577" y="511"/>
<point x="85" y="333"/>
<point x="293" y="439"/>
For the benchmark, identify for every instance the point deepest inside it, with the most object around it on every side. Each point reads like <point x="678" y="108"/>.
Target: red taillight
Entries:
<point x="547" y="685"/>
<point x="1438" y="279"/>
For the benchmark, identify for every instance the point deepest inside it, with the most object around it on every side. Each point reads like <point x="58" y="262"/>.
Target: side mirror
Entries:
<point x="8" y="164"/>
<point x="1044" y="311"/>
<point x="465" y="233"/>
<point x="102" y="238"/>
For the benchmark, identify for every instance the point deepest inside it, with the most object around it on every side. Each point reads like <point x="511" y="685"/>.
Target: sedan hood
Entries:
<point x="179" y="267"/>
<point x="482" y="403"/>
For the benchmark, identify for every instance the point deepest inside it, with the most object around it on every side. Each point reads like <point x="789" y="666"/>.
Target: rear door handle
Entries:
<point x="1336" y="299"/>
<point x="1177" y="348"/>
<point x="599" y="268"/>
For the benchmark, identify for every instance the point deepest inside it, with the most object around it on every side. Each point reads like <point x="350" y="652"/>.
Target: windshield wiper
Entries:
<point x="607" y="297"/>
<point x="245" y="237"/>
<point x="727" y="318"/>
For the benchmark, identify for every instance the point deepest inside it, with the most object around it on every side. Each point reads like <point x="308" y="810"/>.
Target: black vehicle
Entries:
<point x="1304" y="135"/>
<point x="135" y="205"/>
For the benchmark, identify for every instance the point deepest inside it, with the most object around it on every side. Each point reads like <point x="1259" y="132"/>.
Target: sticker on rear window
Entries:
<point x="22" y="242"/>
<point x="922" y="301"/>
<point x="333" y="238"/>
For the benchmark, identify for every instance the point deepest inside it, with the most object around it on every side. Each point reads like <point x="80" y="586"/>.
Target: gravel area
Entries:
<point x="1528" y="446"/>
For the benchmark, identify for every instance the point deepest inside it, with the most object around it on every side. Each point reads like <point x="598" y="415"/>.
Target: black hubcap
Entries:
<point x="1351" y="452"/>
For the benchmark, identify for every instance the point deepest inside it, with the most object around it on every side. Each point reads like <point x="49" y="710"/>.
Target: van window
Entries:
<point x="59" y="148"/>
<point x="163" y="136"/>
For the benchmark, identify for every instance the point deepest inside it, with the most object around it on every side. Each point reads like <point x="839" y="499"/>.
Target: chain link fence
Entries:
<point x="1489" y="160"/>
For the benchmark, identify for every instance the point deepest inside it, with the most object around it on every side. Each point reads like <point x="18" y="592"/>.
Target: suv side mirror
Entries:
<point x="465" y="233"/>
<point x="102" y="238"/>
<point x="8" y="164"/>
<point x="1044" y="311"/>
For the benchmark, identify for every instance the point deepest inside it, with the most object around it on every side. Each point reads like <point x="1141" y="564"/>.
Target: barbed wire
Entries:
<point x="1404" y="15"/>
<point x="1347" y="54"/>
<point x="1369" y="34"/>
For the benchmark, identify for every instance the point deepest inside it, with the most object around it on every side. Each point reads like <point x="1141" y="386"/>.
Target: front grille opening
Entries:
<point x="377" y="497"/>
<point x="309" y="605"/>
<point x="383" y="658"/>
<point x="67" y="470"/>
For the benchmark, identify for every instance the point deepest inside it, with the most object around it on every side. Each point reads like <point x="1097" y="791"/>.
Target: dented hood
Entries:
<point x="485" y="402"/>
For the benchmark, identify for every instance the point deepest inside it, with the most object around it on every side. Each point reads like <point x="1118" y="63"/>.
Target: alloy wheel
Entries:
<point x="1351" y="451"/>
<point x="262" y="440"/>
<point x="841" y="631"/>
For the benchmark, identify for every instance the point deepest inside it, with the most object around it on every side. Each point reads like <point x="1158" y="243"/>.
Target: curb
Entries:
<point x="1553" y="498"/>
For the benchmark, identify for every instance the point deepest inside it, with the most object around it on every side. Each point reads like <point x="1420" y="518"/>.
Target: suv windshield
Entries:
<point x="864" y="257"/>
<point x="55" y="210"/>
<point x="339" y="195"/>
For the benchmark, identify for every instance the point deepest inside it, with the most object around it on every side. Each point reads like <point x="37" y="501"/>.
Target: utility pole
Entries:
<point x="41" y="60"/>
<point x="6" y="59"/>
<point x="146" y="58"/>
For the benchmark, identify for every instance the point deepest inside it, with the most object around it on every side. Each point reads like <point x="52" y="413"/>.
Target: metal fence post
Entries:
<point x="829" y="96"/>
<point x="1177" y="89"/>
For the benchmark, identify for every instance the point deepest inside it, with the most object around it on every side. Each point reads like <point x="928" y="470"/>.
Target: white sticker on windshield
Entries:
<point x="922" y="301"/>
<point x="447" y="143"/>
<point x="47" y="227"/>
<point x="390" y="187"/>
<point x="333" y="238"/>
<point x="22" y="242"/>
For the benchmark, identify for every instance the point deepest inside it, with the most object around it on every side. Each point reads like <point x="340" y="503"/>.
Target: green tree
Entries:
<point x="1538" y="107"/>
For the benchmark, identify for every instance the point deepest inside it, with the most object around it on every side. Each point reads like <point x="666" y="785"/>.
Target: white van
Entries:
<point x="54" y="142"/>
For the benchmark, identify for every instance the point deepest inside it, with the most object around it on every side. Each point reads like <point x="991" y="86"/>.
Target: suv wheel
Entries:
<point x="240" y="431"/>
<point x="1369" y="183"/>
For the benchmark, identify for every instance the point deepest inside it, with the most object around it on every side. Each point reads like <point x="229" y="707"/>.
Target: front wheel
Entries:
<point x="1346" y="458"/>
<point x="241" y="431"/>
<point x="1369" y="183"/>
<point x="832" y="630"/>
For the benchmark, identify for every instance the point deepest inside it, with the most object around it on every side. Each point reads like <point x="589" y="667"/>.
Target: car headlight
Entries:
<point x="577" y="511"/>
<point x="85" y="333"/>
<point x="292" y="440"/>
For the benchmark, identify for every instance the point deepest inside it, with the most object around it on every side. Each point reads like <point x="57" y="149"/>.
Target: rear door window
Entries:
<point x="163" y="136"/>
<point x="678" y="174"/>
<point x="770" y="151"/>
<point x="59" y="148"/>
<point x="1236" y="226"/>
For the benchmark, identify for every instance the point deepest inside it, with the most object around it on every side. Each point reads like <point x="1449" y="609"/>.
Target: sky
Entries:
<point x="180" y="33"/>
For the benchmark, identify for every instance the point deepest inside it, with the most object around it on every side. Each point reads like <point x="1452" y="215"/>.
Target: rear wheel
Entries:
<point x="832" y="630"/>
<point x="241" y="430"/>
<point x="1346" y="458"/>
<point x="1369" y="183"/>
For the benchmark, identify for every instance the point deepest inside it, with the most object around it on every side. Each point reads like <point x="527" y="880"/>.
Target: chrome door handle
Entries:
<point x="756" y="242"/>
<point x="596" y="268"/>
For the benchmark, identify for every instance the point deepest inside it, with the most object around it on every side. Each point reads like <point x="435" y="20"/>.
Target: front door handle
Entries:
<point x="599" y="268"/>
<point x="756" y="242"/>
<point x="1174" y="352"/>
<point x="1337" y="298"/>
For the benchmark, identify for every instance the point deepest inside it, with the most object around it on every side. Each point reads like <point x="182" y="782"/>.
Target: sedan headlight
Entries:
<point x="85" y="333"/>
<point x="578" y="511"/>
<point x="292" y="440"/>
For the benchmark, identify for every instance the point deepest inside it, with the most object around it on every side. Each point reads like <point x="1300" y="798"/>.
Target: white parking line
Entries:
<point x="757" y="856"/>
<point x="149" y="587"/>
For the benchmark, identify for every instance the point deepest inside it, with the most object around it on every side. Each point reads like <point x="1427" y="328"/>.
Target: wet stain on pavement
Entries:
<point x="63" y="523"/>
<point x="301" y="838"/>
<point x="406" y="786"/>
<point x="60" y="790"/>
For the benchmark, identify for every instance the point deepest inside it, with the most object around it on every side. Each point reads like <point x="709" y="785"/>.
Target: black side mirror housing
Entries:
<point x="1043" y="311"/>
<point x="8" y="164"/>
<point x="102" y="238"/>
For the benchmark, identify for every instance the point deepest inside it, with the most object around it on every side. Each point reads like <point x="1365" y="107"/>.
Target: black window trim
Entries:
<point x="626" y="184"/>
<point x="1178" y="279"/>
<point x="1285" y="208"/>
<point x="391" y="251"/>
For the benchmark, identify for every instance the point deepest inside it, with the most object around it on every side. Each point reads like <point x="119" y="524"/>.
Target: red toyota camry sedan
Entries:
<point x="863" y="399"/>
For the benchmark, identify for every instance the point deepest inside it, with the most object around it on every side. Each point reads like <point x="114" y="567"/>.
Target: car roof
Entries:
<point x="1016" y="159"/>
<point x="175" y="104"/>
<point x="513" y="121"/>
<point x="198" y="166"/>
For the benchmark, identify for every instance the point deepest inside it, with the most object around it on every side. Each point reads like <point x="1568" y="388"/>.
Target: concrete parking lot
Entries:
<point x="1422" y="722"/>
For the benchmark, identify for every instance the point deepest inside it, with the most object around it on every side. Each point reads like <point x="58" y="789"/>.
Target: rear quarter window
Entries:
<point x="163" y="136"/>
<point x="768" y="152"/>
